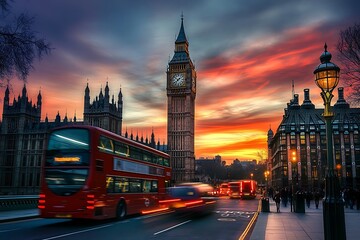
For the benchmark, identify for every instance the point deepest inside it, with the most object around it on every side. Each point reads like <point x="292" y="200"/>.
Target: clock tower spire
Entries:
<point x="181" y="93"/>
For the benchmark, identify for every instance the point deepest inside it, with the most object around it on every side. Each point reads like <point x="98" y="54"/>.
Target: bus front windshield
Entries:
<point x="68" y="147"/>
<point x="67" y="160"/>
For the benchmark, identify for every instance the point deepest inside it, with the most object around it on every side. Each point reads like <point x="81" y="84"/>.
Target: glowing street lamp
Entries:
<point x="266" y="174"/>
<point x="327" y="76"/>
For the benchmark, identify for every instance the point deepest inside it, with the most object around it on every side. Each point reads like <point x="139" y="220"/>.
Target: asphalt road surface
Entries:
<point x="228" y="221"/>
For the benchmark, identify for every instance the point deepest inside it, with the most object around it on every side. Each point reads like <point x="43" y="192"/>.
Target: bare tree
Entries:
<point x="349" y="55"/>
<point x="261" y="154"/>
<point x="19" y="44"/>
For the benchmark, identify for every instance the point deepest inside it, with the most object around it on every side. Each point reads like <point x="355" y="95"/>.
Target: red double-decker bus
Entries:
<point x="91" y="173"/>
<point x="248" y="189"/>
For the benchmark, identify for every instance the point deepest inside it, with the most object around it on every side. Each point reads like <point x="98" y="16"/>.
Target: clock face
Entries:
<point x="178" y="80"/>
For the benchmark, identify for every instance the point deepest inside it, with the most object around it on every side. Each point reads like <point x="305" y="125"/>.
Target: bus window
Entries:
<point x="106" y="144"/>
<point x="154" y="186"/>
<point x="124" y="185"/>
<point x="69" y="139"/>
<point x="166" y="162"/>
<point x="160" y="161"/>
<point x="121" y="185"/>
<point x="68" y="147"/>
<point x="135" y="185"/>
<point x="147" y="157"/>
<point x="65" y="182"/>
<point x="135" y="153"/>
<point x="109" y="184"/>
<point x="121" y="149"/>
<point x="146" y="186"/>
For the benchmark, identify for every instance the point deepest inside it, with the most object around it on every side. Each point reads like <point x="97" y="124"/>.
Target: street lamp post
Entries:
<point x="338" y="173"/>
<point x="327" y="78"/>
<point x="266" y="173"/>
<point x="293" y="166"/>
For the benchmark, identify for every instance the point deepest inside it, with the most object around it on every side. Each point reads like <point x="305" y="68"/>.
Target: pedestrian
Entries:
<point x="352" y="198"/>
<point x="345" y="194"/>
<point x="357" y="193"/>
<point x="277" y="200"/>
<point x="317" y="199"/>
<point x="308" y="197"/>
<point x="271" y="192"/>
<point x="284" y="196"/>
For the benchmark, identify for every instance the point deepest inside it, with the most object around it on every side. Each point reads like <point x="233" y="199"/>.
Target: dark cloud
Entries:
<point x="246" y="53"/>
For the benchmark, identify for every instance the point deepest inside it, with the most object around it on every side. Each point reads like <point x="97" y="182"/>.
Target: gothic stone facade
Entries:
<point x="23" y="136"/>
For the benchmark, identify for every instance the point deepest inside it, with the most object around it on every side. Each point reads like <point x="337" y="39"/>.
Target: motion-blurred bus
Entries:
<point x="244" y="189"/>
<point x="92" y="173"/>
<point x="224" y="189"/>
<point x="234" y="189"/>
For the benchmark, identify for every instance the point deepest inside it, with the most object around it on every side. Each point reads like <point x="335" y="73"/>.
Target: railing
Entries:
<point x="18" y="202"/>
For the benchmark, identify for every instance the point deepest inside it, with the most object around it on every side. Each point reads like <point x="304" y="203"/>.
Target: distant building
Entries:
<point x="297" y="151"/>
<point x="248" y="163"/>
<point x="206" y="169"/>
<point x="23" y="135"/>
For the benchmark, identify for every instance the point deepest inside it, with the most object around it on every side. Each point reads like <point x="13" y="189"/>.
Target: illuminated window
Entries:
<point x="302" y="138"/>
<point x="292" y="138"/>
<point x="312" y="138"/>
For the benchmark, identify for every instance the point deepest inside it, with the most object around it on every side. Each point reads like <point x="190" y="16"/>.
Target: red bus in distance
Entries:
<point x="244" y="189"/>
<point x="248" y="189"/>
<point x="91" y="173"/>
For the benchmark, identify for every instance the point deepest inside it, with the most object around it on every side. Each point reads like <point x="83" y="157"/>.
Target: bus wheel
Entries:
<point x="121" y="210"/>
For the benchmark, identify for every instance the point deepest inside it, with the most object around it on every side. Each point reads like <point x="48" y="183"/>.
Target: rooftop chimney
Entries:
<point x="341" y="102"/>
<point x="307" y="102"/>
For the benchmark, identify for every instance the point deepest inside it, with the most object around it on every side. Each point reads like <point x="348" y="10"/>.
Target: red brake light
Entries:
<point x="41" y="203"/>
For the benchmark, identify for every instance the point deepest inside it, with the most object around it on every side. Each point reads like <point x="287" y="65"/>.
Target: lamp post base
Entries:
<point x="333" y="210"/>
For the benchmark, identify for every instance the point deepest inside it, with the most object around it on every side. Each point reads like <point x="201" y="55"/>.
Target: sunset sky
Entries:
<point x="246" y="53"/>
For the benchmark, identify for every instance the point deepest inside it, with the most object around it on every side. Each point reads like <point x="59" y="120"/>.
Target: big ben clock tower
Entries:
<point x="181" y="92"/>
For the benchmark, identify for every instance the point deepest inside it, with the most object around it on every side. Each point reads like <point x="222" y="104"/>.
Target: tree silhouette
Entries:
<point x="19" y="44"/>
<point x="349" y="55"/>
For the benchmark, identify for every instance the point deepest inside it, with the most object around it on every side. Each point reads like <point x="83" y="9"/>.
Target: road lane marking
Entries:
<point x="175" y="226"/>
<point x="227" y="219"/>
<point x="73" y="233"/>
<point x="251" y="223"/>
<point x="235" y="214"/>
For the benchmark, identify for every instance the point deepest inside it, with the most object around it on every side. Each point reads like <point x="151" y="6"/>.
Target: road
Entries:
<point x="228" y="221"/>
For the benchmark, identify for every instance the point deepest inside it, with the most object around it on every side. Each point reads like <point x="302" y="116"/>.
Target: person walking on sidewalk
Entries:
<point x="277" y="201"/>
<point x="317" y="199"/>
<point x="308" y="198"/>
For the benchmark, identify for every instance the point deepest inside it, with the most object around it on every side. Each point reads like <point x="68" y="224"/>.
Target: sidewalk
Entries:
<point x="288" y="225"/>
<point x="7" y="216"/>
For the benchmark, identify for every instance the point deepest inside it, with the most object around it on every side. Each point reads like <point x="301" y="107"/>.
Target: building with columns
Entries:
<point x="297" y="151"/>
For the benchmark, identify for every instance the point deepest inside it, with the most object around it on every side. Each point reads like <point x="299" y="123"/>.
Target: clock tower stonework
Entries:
<point x="181" y="92"/>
